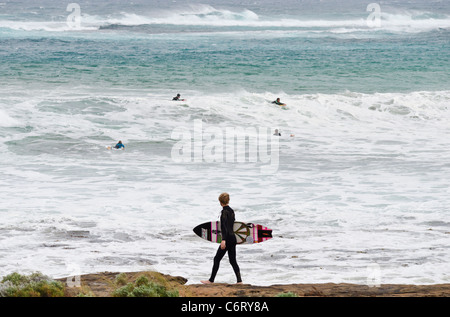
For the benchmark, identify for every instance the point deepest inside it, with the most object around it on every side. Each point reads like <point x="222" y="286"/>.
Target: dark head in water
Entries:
<point x="278" y="102"/>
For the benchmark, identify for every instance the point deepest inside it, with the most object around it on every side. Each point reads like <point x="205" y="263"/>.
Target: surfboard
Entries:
<point x="246" y="233"/>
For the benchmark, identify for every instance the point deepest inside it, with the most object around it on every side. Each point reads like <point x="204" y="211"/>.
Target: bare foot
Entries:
<point x="206" y="282"/>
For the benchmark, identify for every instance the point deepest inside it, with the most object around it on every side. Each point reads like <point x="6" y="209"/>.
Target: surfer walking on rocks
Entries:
<point x="228" y="243"/>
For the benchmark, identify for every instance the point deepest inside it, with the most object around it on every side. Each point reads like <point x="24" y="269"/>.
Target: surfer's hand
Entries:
<point x="222" y="245"/>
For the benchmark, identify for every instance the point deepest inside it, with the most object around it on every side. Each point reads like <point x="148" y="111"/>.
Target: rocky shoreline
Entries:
<point x="103" y="284"/>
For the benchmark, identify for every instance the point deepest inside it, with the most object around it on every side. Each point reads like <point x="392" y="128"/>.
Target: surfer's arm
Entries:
<point x="224" y="225"/>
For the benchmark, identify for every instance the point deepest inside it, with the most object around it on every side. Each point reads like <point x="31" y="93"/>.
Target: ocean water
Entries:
<point x="356" y="188"/>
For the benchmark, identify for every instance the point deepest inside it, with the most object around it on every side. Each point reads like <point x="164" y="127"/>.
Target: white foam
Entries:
<point x="50" y="26"/>
<point x="7" y="121"/>
<point x="206" y="15"/>
<point x="209" y="16"/>
<point x="362" y="182"/>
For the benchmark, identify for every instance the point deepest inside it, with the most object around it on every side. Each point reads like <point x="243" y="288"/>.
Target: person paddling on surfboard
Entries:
<point x="278" y="102"/>
<point x="177" y="98"/>
<point x="119" y="145"/>
<point x="228" y="243"/>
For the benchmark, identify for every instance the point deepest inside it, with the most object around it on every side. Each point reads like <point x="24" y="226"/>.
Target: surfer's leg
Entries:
<point x="219" y="255"/>
<point x="233" y="262"/>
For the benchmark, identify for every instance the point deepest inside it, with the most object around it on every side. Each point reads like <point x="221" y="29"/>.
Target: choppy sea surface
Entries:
<point x="356" y="188"/>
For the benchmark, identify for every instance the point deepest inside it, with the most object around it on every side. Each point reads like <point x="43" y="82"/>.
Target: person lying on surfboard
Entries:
<point x="228" y="243"/>
<point x="278" y="102"/>
<point x="119" y="145"/>
<point x="177" y="98"/>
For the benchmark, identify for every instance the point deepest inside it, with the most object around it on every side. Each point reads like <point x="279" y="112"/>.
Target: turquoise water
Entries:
<point x="204" y="48"/>
<point x="292" y="63"/>
<point x="360" y="176"/>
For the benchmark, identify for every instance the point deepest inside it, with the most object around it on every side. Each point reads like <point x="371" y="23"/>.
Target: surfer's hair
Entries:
<point x="224" y="198"/>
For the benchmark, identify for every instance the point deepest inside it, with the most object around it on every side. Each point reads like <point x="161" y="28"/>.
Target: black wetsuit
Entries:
<point x="226" y="226"/>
